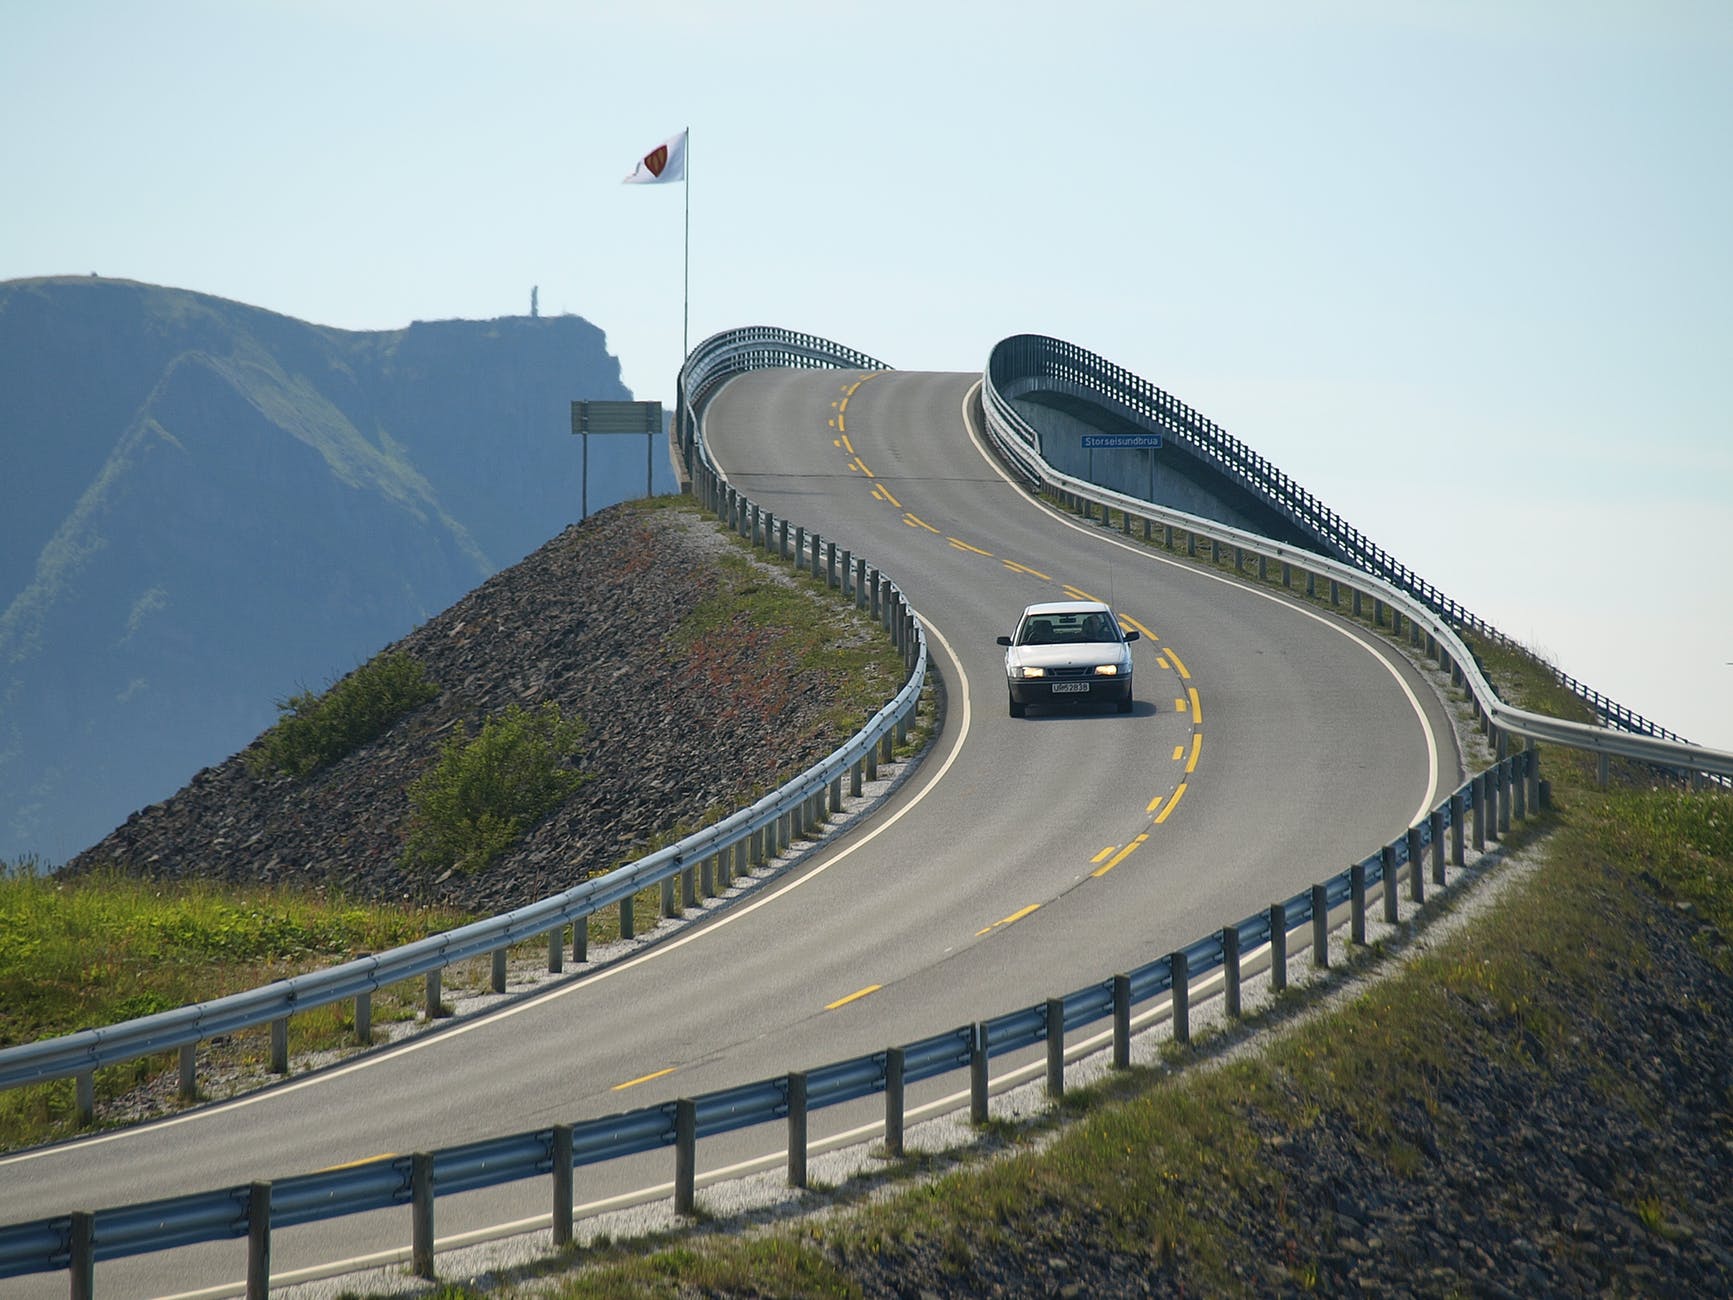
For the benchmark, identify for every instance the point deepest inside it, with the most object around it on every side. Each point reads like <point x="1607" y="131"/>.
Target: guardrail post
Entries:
<point x="497" y="982"/>
<point x="363" y="1019"/>
<point x="860" y="569"/>
<point x="1055" y="1048"/>
<point x="81" y="1263"/>
<point x="84" y="1097"/>
<point x="189" y="1083"/>
<point x="689" y="888"/>
<point x="430" y="1003"/>
<point x="1122" y="1022"/>
<point x="1416" y="867"/>
<point x="1503" y="782"/>
<point x="1519" y="785"/>
<point x="421" y="1214"/>
<point x="1533" y="769"/>
<point x="1457" y="813"/>
<point x="556" y="950"/>
<point x="978" y="1074"/>
<point x="258" y="1241"/>
<point x="855" y="772"/>
<point x="280" y="1045"/>
<point x="845" y="567"/>
<point x="782" y="539"/>
<point x="1357" y="904"/>
<point x="1387" y="869"/>
<point x="817" y="556"/>
<point x="669" y="907"/>
<point x="1278" y="947"/>
<point x="581" y="939"/>
<point x="1311" y="585"/>
<point x="1180" y="996"/>
<point x="685" y="1155"/>
<point x="628" y="921"/>
<point x="1335" y="594"/>
<point x="1320" y="927"/>
<point x="1603" y="769"/>
<point x="1435" y="823"/>
<point x="1478" y="785"/>
<point x="877" y="587"/>
<point x="1357" y="600"/>
<point x="1231" y="969"/>
<point x="796" y="1129"/>
<point x="562" y="1172"/>
<point x="872" y="763"/>
<point x="830" y="565"/>
<point x="894" y="1102"/>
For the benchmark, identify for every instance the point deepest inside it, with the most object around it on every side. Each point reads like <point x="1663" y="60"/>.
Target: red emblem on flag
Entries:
<point x="656" y="160"/>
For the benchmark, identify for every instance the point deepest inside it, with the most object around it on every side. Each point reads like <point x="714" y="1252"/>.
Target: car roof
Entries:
<point x="1066" y="607"/>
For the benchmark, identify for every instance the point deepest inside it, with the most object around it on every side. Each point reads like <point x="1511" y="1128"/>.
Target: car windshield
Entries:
<point x="1066" y="629"/>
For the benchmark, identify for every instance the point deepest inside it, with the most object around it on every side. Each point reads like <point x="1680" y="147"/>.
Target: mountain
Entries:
<point x="206" y="507"/>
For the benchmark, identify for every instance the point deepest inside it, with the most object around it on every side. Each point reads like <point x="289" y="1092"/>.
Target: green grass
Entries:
<point x="94" y="950"/>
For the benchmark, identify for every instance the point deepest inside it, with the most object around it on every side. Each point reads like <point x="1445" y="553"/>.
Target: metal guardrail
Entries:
<point x="1034" y="362"/>
<point x="78" y="1241"/>
<point x="1031" y="363"/>
<point x="1480" y="811"/>
<point x="763" y="829"/>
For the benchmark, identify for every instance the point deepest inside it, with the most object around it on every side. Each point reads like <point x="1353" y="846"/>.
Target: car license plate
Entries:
<point x="1071" y="688"/>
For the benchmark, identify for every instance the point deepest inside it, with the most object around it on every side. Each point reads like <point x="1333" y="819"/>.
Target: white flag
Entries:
<point x="666" y="162"/>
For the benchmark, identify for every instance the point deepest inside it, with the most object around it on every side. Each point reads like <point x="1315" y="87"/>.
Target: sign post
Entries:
<point x="616" y="417"/>
<point x="1150" y="442"/>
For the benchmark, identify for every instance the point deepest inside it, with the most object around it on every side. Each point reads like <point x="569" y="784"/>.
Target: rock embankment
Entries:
<point x="587" y="622"/>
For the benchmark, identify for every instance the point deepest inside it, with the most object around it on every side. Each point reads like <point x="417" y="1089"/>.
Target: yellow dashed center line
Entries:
<point x="1076" y="593"/>
<point x="1179" y="704"/>
<point x="1177" y="664"/>
<point x="1024" y="568"/>
<point x="884" y="494"/>
<point x="1178" y="750"/>
<point x="643" y="1078"/>
<point x="858" y="463"/>
<point x="914" y="521"/>
<point x="853" y="997"/>
<point x="1161" y="662"/>
<point x="845" y="444"/>
<point x="1171" y="805"/>
<point x="964" y="546"/>
<point x="1196" y="706"/>
<point x="1009" y="920"/>
<point x="1127" y="620"/>
<point x="1196" y="748"/>
<point x="1111" y="848"/>
<point x="356" y="1164"/>
<point x="1121" y="856"/>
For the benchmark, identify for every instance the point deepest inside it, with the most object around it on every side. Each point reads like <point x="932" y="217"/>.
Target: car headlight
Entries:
<point x="1028" y="672"/>
<point x="1107" y="670"/>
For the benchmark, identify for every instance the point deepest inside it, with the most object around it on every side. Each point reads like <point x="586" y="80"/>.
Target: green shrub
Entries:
<point x="483" y="794"/>
<point x="314" y="731"/>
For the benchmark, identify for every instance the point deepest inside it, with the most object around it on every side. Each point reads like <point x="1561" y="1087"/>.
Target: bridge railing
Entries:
<point x="1033" y="363"/>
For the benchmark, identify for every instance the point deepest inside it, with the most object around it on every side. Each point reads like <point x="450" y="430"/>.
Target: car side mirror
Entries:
<point x="1133" y="634"/>
<point x="1004" y="640"/>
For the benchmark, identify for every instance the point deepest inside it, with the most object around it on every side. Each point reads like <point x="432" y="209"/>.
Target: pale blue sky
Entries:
<point x="1464" y="269"/>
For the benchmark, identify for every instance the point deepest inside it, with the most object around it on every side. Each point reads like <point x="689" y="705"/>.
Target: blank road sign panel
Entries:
<point x="616" y="417"/>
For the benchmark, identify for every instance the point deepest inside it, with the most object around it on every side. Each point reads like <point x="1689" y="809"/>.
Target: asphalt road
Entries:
<point x="1270" y="746"/>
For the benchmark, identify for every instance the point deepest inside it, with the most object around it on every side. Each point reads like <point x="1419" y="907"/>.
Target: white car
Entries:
<point x="1068" y="652"/>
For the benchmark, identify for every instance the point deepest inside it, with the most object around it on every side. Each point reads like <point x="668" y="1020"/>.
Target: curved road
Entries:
<point x="1270" y="745"/>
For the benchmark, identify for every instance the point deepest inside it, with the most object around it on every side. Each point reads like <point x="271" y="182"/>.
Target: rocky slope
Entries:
<point x="587" y="623"/>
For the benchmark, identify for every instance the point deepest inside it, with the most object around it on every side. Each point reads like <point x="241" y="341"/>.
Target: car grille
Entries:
<point x="1069" y="672"/>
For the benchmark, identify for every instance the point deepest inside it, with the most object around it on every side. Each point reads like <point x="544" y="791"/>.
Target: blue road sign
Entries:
<point x="1125" y="441"/>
